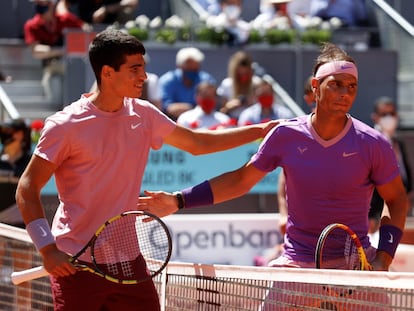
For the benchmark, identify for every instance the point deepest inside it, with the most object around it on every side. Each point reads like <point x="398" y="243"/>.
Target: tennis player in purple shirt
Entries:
<point x="332" y="163"/>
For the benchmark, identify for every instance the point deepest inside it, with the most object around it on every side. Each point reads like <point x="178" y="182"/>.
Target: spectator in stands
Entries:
<point x="97" y="149"/>
<point x="44" y="33"/>
<point x="236" y="90"/>
<point x="308" y="95"/>
<point x="274" y="14"/>
<point x="210" y="6"/>
<point x="178" y="86"/>
<point x="266" y="108"/>
<point x="204" y="115"/>
<point x="15" y="138"/>
<point x="107" y="11"/>
<point x="237" y="29"/>
<point x="385" y="117"/>
<point x="331" y="162"/>
<point x="65" y="6"/>
<point x="5" y="78"/>
<point x="299" y="8"/>
<point x="350" y="12"/>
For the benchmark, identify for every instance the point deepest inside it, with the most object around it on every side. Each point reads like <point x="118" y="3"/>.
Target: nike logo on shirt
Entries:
<point x="302" y="149"/>
<point x="348" y="154"/>
<point x="134" y="126"/>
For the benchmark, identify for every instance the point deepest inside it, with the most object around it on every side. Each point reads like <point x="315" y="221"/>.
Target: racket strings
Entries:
<point x="116" y="247"/>
<point x="351" y="254"/>
<point x="340" y="251"/>
<point x="154" y="243"/>
<point x="130" y="249"/>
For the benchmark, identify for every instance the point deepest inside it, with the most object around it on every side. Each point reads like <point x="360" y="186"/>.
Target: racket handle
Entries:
<point x="27" y="275"/>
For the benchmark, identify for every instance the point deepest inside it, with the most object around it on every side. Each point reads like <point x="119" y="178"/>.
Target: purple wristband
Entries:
<point x="199" y="195"/>
<point x="39" y="232"/>
<point x="389" y="238"/>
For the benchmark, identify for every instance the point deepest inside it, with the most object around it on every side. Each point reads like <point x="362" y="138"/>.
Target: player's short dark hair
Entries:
<point x="110" y="47"/>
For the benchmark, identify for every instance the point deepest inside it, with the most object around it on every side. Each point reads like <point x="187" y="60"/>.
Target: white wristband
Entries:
<point x="39" y="232"/>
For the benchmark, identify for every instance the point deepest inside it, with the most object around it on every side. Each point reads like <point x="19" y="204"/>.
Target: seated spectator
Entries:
<point x="107" y="11"/>
<point x="283" y="14"/>
<point x="204" y="115"/>
<point x="229" y="19"/>
<point x="178" y="85"/>
<point x="265" y="108"/>
<point x="5" y="78"/>
<point x="236" y="90"/>
<point x="274" y="14"/>
<point x="15" y="138"/>
<point x="65" y="6"/>
<point x="308" y="95"/>
<point x="44" y="33"/>
<point x="210" y="6"/>
<point x="350" y="12"/>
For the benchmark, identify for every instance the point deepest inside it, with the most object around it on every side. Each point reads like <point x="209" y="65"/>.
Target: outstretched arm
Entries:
<point x="222" y="188"/>
<point x="199" y="142"/>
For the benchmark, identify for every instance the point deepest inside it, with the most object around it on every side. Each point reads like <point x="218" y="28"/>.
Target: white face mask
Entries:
<point x="232" y="11"/>
<point x="388" y="125"/>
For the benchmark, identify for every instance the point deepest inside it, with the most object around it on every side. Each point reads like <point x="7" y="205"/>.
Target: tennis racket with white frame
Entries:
<point x="129" y="248"/>
<point x="344" y="241"/>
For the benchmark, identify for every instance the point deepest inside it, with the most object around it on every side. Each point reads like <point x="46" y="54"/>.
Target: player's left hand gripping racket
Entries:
<point x="342" y="239"/>
<point x="116" y="248"/>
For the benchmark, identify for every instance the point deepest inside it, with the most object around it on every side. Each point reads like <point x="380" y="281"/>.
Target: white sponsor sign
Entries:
<point x="222" y="238"/>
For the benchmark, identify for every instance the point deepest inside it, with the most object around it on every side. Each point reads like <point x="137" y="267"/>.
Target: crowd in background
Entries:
<point x="44" y="32"/>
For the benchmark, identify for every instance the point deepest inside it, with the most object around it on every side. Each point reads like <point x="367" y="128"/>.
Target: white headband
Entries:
<point x="336" y="67"/>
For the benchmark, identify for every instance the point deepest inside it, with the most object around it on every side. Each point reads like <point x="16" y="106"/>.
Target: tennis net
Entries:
<point x="187" y="286"/>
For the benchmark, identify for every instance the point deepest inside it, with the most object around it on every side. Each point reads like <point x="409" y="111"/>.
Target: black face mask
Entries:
<point x="40" y="9"/>
<point x="6" y="136"/>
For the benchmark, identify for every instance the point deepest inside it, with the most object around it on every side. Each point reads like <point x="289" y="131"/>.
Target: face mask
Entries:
<point x="265" y="100"/>
<point x="244" y="78"/>
<point x="190" y="75"/>
<point x="388" y="125"/>
<point x="40" y="9"/>
<point x="207" y="104"/>
<point x="232" y="11"/>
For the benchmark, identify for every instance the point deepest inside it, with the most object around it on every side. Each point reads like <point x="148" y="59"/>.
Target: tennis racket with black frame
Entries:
<point x="344" y="241"/>
<point x="129" y="248"/>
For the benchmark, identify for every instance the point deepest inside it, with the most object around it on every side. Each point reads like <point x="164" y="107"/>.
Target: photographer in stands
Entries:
<point x="15" y="155"/>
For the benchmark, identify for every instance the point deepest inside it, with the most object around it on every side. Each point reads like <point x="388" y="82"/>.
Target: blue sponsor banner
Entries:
<point x="171" y="169"/>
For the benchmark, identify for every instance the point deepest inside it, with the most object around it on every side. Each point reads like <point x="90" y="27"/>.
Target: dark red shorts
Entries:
<point x="86" y="291"/>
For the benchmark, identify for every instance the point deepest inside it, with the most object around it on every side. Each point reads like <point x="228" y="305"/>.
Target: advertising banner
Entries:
<point x="233" y="239"/>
